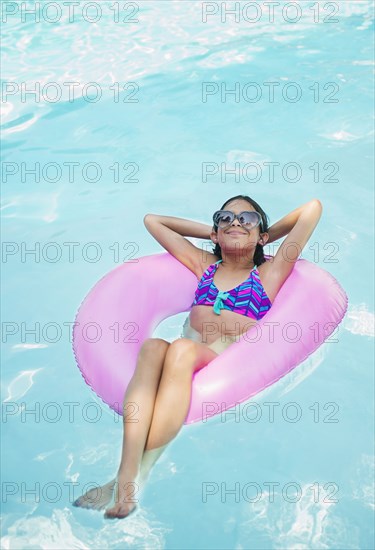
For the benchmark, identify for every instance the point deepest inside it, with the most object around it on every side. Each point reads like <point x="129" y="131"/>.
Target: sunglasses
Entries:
<point x="249" y="220"/>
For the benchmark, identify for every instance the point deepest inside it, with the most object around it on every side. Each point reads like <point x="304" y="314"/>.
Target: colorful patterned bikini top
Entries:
<point x="248" y="298"/>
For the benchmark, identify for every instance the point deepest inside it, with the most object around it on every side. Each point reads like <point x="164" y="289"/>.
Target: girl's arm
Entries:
<point x="299" y="224"/>
<point x="285" y="225"/>
<point x="185" y="228"/>
<point x="170" y="232"/>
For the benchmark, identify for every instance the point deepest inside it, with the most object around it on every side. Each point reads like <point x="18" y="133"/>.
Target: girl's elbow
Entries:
<point x="147" y="218"/>
<point x="314" y="204"/>
<point x="317" y="203"/>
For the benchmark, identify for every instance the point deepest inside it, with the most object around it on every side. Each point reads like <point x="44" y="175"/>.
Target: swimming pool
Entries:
<point x="172" y="107"/>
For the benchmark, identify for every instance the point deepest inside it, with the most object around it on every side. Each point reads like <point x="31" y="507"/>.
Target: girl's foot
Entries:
<point x="132" y="490"/>
<point x="100" y="497"/>
<point x="126" y="496"/>
<point x="97" y="498"/>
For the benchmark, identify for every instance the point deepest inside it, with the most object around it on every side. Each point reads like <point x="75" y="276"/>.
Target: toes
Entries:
<point x="113" y="513"/>
<point x="96" y="499"/>
<point x="81" y="502"/>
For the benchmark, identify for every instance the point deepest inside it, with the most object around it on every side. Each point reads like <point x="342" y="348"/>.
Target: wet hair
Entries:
<point x="263" y="228"/>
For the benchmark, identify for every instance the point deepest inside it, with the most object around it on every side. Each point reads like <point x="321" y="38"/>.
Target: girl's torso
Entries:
<point x="244" y="304"/>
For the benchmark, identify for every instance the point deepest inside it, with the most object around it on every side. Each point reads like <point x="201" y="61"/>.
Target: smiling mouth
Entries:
<point x="235" y="233"/>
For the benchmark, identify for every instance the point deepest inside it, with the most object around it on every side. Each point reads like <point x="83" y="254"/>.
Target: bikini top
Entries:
<point x="248" y="298"/>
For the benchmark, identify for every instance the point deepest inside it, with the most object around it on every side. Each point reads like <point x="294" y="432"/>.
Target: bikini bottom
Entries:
<point x="218" y="346"/>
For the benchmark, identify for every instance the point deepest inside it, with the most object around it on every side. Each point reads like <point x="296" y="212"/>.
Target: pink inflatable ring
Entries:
<point x="127" y="304"/>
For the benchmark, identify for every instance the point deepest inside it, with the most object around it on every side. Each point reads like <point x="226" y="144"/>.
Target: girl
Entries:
<point x="236" y="288"/>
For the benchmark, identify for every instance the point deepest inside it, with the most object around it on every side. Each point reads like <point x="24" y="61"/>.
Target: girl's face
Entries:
<point x="235" y="236"/>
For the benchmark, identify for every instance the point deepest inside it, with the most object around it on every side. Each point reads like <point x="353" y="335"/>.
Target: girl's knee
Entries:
<point x="154" y="346"/>
<point x="182" y="348"/>
<point x="151" y="356"/>
<point x="181" y="356"/>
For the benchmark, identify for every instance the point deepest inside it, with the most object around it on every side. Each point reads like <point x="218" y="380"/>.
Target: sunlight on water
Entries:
<point x="21" y="385"/>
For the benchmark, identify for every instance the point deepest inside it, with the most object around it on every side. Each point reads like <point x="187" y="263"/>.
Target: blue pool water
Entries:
<point x="100" y="164"/>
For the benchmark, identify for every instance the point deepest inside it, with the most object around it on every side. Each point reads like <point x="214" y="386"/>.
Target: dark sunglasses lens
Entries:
<point x="249" y="218"/>
<point x="224" y="218"/>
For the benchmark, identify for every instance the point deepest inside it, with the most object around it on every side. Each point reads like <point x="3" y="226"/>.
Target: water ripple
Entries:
<point x="21" y="384"/>
<point x="82" y="52"/>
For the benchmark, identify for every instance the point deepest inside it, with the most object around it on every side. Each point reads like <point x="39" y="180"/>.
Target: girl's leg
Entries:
<point x="139" y="401"/>
<point x="139" y="398"/>
<point x="182" y="359"/>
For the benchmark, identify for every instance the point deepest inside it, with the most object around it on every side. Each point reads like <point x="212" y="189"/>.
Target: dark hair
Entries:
<point x="263" y="227"/>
